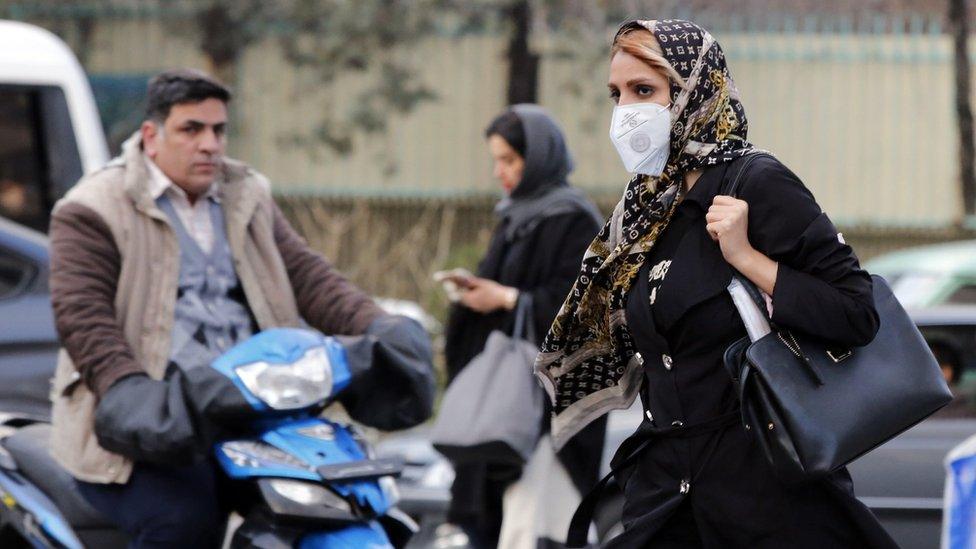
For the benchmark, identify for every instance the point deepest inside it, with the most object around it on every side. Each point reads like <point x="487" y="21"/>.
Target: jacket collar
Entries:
<point x="160" y="184"/>
<point x="709" y="184"/>
<point x="139" y="188"/>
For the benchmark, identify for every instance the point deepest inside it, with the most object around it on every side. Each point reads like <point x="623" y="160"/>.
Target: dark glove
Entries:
<point x="218" y="407"/>
<point x="146" y="419"/>
<point x="392" y="383"/>
<point x="213" y="397"/>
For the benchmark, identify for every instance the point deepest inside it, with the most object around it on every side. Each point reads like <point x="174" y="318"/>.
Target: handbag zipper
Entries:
<point x="800" y="355"/>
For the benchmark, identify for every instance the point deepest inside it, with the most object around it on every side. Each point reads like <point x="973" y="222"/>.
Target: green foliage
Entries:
<point x="224" y="28"/>
<point x="360" y="39"/>
<point x="330" y="38"/>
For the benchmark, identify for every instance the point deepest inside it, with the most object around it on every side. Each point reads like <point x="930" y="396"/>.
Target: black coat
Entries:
<point x="542" y="262"/>
<point x="716" y="489"/>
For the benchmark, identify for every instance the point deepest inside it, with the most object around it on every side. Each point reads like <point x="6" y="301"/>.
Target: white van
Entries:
<point x="50" y="133"/>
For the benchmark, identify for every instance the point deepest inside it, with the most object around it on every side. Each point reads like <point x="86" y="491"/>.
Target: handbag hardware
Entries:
<point x="841" y="355"/>
<point x="803" y="359"/>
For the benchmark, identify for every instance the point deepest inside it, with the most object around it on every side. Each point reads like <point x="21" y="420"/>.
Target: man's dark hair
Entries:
<point x="508" y="126"/>
<point x="181" y="86"/>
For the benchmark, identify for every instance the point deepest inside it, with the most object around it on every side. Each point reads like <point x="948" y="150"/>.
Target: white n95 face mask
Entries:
<point x="641" y="132"/>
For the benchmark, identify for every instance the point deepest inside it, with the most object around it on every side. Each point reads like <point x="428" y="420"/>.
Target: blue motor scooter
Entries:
<point x="298" y="480"/>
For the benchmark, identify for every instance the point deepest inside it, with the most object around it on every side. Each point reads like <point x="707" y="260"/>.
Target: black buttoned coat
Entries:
<point x="716" y="489"/>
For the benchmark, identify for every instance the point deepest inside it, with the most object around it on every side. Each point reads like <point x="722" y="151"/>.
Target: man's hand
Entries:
<point x="392" y="371"/>
<point x="147" y="419"/>
<point x="486" y="296"/>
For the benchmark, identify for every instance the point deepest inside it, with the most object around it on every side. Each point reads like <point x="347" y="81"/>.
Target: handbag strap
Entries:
<point x="746" y="296"/>
<point x="524" y="327"/>
<point x="579" y="526"/>
<point x="645" y="435"/>
<point x="748" y="299"/>
<point x="732" y="188"/>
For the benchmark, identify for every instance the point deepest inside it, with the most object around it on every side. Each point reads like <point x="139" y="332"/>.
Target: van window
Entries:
<point x="963" y="294"/>
<point x="916" y="288"/>
<point x="954" y="348"/>
<point x="39" y="157"/>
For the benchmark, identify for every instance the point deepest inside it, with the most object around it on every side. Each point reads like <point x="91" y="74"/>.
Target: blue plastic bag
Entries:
<point x="959" y="503"/>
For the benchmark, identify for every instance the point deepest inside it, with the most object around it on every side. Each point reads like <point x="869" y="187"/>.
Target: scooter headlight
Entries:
<point x="306" y="493"/>
<point x="299" y="384"/>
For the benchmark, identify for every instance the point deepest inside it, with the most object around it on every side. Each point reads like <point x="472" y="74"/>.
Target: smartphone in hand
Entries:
<point x="454" y="281"/>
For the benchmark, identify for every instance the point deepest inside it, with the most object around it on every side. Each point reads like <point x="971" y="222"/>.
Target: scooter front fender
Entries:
<point x="359" y="536"/>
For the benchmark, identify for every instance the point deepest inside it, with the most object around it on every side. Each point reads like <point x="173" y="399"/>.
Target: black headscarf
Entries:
<point x="543" y="190"/>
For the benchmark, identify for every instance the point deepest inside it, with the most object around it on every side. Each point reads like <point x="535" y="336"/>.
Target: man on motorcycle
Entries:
<point x="160" y="262"/>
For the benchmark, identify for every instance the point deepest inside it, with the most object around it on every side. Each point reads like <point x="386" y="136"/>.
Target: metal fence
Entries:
<point x="860" y="107"/>
<point x="390" y="246"/>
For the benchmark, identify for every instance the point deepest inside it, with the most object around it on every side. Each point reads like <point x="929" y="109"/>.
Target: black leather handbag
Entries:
<point x="814" y="408"/>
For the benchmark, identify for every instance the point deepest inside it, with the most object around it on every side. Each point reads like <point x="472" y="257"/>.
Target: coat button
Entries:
<point x="649" y="416"/>
<point x="666" y="360"/>
<point x="685" y="486"/>
<point x="640" y="359"/>
<point x="677" y="423"/>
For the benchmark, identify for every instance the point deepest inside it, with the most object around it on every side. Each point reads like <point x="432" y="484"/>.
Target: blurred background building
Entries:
<point x="368" y="116"/>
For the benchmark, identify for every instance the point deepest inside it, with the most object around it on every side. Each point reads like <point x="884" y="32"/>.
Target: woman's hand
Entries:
<point x="727" y="222"/>
<point x="485" y="296"/>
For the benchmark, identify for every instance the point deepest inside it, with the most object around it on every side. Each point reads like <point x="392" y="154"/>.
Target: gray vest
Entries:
<point x="211" y="313"/>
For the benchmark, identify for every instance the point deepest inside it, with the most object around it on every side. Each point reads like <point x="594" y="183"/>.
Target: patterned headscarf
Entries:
<point x="588" y="362"/>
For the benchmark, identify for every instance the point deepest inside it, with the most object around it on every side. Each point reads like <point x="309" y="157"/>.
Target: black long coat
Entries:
<point x="542" y="261"/>
<point x="716" y="489"/>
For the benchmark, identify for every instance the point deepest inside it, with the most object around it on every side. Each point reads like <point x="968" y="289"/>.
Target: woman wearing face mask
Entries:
<point x="544" y="226"/>
<point x="650" y="315"/>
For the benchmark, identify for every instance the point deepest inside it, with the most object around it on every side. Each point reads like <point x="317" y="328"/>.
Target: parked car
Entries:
<point x="50" y="132"/>
<point x="930" y="275"/>
<point x="902" y="481"/>
<point x="28" y="342"/>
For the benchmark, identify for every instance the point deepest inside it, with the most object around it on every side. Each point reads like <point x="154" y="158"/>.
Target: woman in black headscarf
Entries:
<point x="543" y="229"/>
<point x="649" y="314"/>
